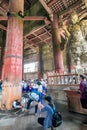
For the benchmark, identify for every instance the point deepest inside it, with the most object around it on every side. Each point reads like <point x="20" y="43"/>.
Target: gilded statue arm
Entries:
<point x="65" y="28"/>
<point x="83" y="25"/>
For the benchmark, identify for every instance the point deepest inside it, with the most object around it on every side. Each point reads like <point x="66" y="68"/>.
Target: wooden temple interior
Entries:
<point x="44" y="33"/>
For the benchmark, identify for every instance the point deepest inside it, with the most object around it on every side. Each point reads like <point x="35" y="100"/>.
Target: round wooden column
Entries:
<point x="0" y="62"/>
<point x="12" y="68"/>
<point x="40" y="63"/>
<point x="58" y="57"/>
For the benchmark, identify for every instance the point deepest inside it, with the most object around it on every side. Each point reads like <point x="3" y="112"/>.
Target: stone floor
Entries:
<point x="16" y="120"/>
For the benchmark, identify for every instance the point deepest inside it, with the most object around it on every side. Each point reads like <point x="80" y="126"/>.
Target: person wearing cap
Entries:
<point x="46" y="122"/>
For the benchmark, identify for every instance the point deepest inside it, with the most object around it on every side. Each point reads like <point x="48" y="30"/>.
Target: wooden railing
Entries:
<point x="63" y="80"/>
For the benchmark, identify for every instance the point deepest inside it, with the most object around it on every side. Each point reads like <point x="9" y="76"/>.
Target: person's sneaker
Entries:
<point x="35" y="114"/>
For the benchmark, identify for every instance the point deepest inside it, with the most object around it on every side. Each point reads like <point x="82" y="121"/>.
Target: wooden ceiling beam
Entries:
<point x="30" y="43"/>
<point x="47" y="31"/>
<point x="47" y="9"/>
<point x="27" y="18"/>
<point x="3" y="27"/>
<point x="52" y="2"/>
<point x="40" y="37"/>
<point x="3" y="18"/>
<point x="65" y="4"/>
<point x="1" y="2"/>
<point x="34" y="31"/>
<point x="72" y="7"/>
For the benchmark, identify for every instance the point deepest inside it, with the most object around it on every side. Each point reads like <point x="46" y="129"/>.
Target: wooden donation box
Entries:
<point x="74" y="105"/>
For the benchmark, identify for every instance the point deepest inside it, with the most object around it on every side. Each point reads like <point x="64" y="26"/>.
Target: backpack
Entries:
<point x="56" y="119"/>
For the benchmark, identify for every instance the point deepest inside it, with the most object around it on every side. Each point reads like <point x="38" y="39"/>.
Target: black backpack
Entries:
<point x="56" y="119"/>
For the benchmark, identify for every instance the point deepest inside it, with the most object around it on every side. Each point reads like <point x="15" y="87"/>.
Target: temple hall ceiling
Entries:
<point x="37" y="27"/>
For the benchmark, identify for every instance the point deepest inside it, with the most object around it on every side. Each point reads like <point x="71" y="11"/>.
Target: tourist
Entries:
<point x="83" y="97"/>
<point x="46" y="122"/>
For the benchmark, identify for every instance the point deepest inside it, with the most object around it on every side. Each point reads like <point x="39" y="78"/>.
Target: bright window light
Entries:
<point x="31" y="67"/>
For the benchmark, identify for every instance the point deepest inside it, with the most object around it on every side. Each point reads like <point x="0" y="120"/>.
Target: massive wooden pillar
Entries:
<point x="40" y="63"/>
<point x="0" y="53"/>
<point x="0" y="62"/>
<point x="58" y="57"/>
<point x="12" y="68"/>
<point x="2" y="49"/>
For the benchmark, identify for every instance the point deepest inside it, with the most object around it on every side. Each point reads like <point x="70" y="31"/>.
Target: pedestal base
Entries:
<point x="74" y="103"/>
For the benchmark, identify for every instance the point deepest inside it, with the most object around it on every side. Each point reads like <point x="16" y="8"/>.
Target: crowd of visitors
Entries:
<point x="27" y="86"/>
<point x="35" y="91"/>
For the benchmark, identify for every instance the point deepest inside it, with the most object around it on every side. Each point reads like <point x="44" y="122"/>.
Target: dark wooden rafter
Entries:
<point x="1" y="1"/>
<point x="65" y="4"/>
<point x="68" y="6"/>
<point x="47" y="9"/>
<point x="39" y="36"/>
<point x="27" y="5"/>
<point x="2" y="12"/>
<point x="3" y="18"/>
<point x="28" y="44"/>
<point x="34" y="31"/>
<point x="3" y="27"/>
<point x="27" y="2"/>
<point x="51" y="2"/>
<point x="28" y="18"/>
<point x="71" y="8"/>
<point x="4" y="5"/>
<point x="48" y="32"/>
<point x="34" y="18"/>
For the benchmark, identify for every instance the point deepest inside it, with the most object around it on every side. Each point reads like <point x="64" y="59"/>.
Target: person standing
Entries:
<point x="83" y="98"/>
<point x="83" y="93"/>
<point x="40" y="91"/>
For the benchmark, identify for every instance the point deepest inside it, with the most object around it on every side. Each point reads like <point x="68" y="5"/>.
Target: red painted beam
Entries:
<point x="3" y="18"/>
<point x="3" y="27"/>
<point x="52" y="2"/>
<point x="26" y="18"/>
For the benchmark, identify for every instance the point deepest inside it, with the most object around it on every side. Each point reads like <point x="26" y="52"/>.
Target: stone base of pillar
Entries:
<point x="61" y="71"/>
<point x="10" y="92"/>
